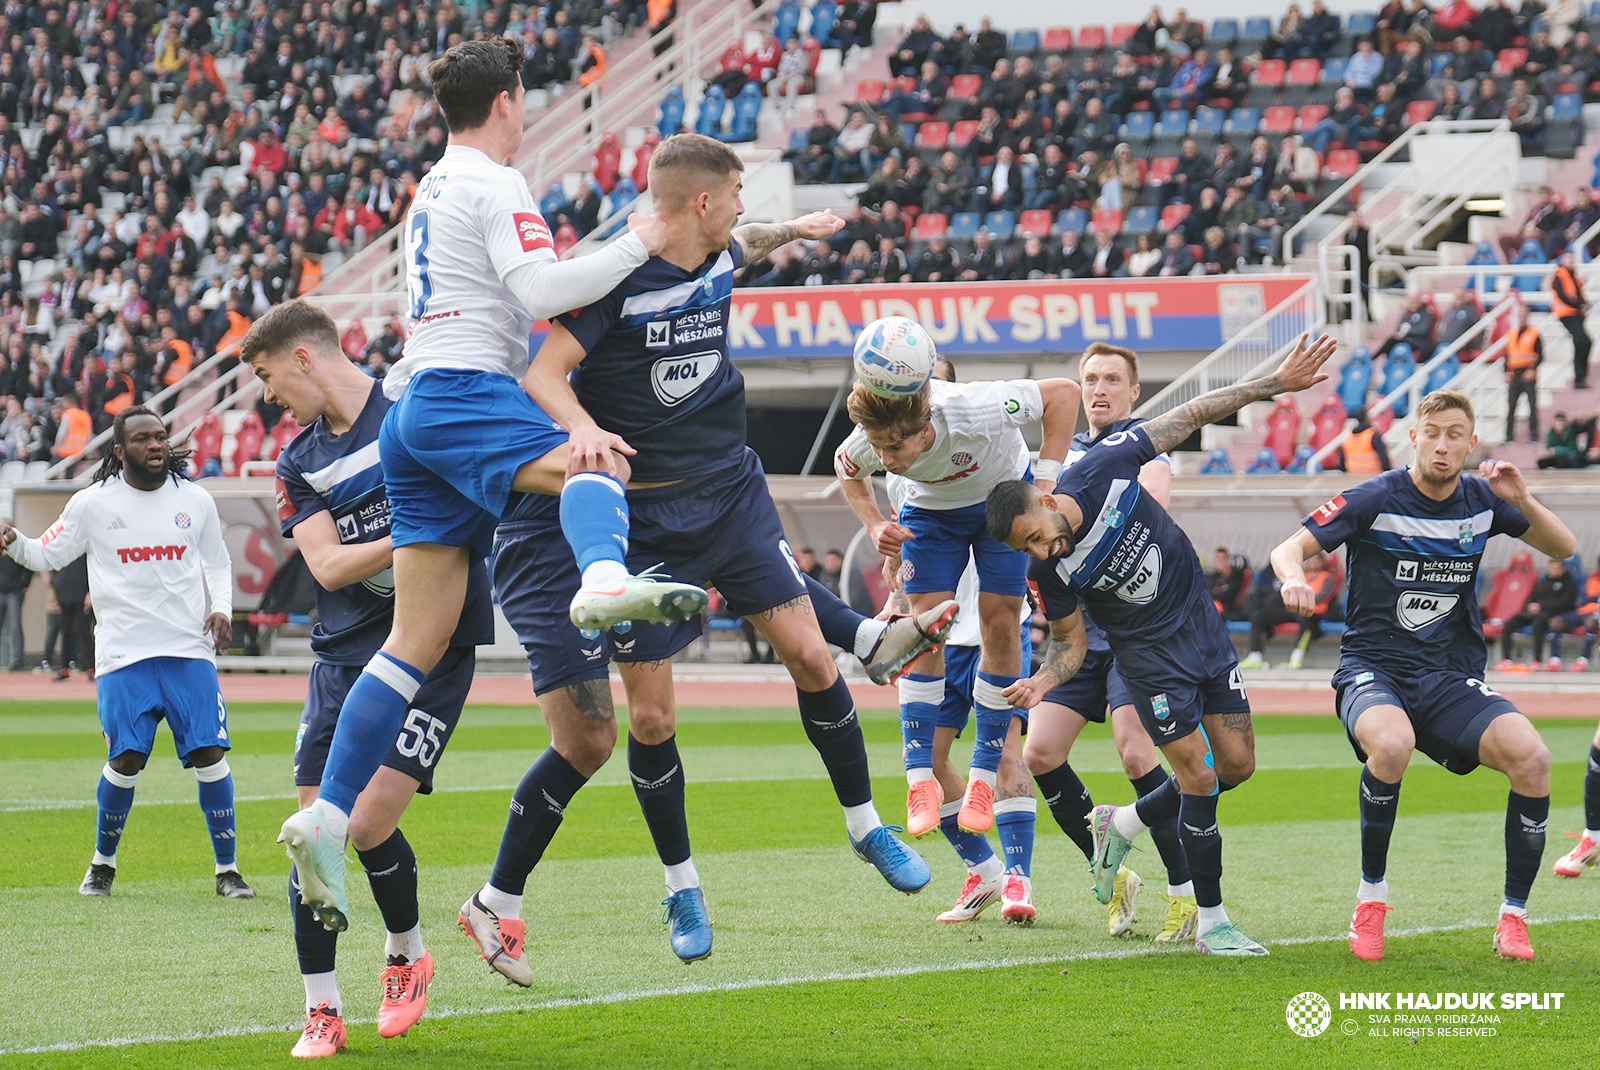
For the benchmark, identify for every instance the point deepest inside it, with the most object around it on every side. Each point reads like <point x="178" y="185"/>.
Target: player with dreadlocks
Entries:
<point x="162" y="588"/>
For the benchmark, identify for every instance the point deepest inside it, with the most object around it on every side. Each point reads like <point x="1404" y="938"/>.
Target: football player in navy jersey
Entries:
<point x="648" y="365"/>
<point x="1110" y="379"/>
<point x="1103" y="542"/>
<point x="1412" y="658"/>
<point x="333" y="503"/>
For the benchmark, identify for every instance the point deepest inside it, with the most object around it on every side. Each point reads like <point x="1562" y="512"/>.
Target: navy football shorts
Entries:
<point x="1096" y="688"/>
<point x="450" y="449"/>
<point x="720" y="531"/>
<point x="960" y="672"/>
<point x="132" y="700"/>
<point x="1448" y="709"/>
<point x="429" y="723"/>
<point x="1189" y="675"/>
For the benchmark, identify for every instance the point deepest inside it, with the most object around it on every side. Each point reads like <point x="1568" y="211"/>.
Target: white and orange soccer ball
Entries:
<point x="894" y="356"/>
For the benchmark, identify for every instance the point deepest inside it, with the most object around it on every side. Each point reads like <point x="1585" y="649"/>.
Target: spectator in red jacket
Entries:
<point x="270" y="154"/>
<point x="349" y="226"/>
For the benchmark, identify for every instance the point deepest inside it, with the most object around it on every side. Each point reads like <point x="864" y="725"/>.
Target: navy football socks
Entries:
<point x="1379" y="804"/>
<point x="1069" y="802"/>
<point x="536" y="810"/>
<point x="1525" y="822"/>
<point x="1169" y="845"/>
<point x="658" y="782"/>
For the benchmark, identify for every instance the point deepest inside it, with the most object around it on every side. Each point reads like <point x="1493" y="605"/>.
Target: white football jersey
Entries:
<point x="153" y="557"/>
<point x="977" y="444"/>
<point x="472" y="222"/>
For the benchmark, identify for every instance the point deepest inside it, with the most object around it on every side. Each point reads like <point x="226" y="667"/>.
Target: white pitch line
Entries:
<point x="634" y="995"/>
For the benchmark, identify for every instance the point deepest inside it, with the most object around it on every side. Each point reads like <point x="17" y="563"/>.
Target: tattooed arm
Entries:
<point x="1299" y="371"/>
<point x="758" y="240"/>
<point x="1063" y="657"/>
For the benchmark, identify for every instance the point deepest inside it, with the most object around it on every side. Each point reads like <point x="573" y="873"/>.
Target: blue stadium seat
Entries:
<point x="1243" y="121"/>
<point x="1002" y="224"/>
<point x="708" y="122"/>
<point x="1226" y="30"/>
<point x="1025" y="41"/>
<point x="1073" y="219"/>
<point x="1258" y="29"/>
<point x="1302" y="456"/>
<point x="1446" y="370"/>
<point x="1142" y="219"/>
<point x="1354" y="380"/>
<point x="823" y="16"/>
<point x="671" y="112"/>
<point x="797" y="140"/>
<point x="1217" y="464"/>
<point x="746" y="109"/>
<point x="1332" y="70"/>
<point x="1266" y="463"/>
<point x="1567" y="106"/>
<point x="1437" y="62"/>
<point x="1396" y="370"/>
<point x="1210" y="120"/>
<point x="786" y="20"/>
<point x="1362" y="22"/>
<point x="1139" y="126"/>
<point x="964" y="224"/>
<point x="554" y="201"/>
<point x="1174" y="123"/>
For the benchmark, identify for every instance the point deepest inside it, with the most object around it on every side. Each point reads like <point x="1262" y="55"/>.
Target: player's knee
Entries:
<point x="651" y="723"/>
<point x="204" y="757"/>
<point x="624" y="469"/>
<point x="1390" y="753"/>
<point x="368" y="830"/>
<point x="811" y="665"/>
<point x="129" y="762"/>
<point x="1235" y="769"/>
<point x="1041" y="757"/>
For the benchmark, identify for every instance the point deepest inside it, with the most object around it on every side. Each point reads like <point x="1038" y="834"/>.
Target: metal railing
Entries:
<point x="1251" y="351"/>
<point x="1433" y="202"/>
<point x="1399" y="182"/>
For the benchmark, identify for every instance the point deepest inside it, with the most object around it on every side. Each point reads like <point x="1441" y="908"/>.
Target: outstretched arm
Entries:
<point x="759" y="239"/>
<point x="1299" y="371"/>
<point x="1546" y="533"/>
<point x="1063" y="657"/>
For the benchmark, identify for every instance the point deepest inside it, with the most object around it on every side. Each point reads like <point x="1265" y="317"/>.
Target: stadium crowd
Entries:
<point x="1074" y="141"/>
<point x="171" y="171"/>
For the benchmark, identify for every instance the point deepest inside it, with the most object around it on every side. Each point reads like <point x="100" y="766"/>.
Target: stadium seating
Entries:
<point x="930" y="225"/>
<point x="1396" y="370"/>
<point x="1001" y="223"/>
<point x="1265" y="463"/>
<point x="1217" y="463"/>
<point x="1328" y="422"/>
<point x="1283" y="430"/>
<point x="1508" y="593"/>
<point x="1036" y="222"/>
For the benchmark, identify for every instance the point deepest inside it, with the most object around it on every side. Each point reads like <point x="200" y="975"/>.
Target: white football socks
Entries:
<point x="1126" y="822"/>
<point x="869" y="633"/>
<point x="501" y="904"/>
<point x="1370" y="892"/>
<point x="406" y="945"/>
<point x="988" y="777"/>
<point x="1211" y="917"/>
<point x="322" y="988"/>
<point x="990" y="868"/>
<point x="105" y="860"/>
<point x="1177" y="890"/>
<point x="604" y="575"/>
<point x="917" y="776"/>
<point x="860" y="820"/>
<point x="682" y="876"/>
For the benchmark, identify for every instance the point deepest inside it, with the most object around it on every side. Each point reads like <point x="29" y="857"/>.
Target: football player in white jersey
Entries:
<point x="953" y="443"/>
<point x="162" y="586"/>
<point x="463" y="437"/>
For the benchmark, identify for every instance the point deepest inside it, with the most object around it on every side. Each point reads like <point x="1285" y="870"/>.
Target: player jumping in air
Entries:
<point x="332" y="502"/>
<point x="946" y="446"/>
<point x="649" y="364"/>
<point x="1412" y="658"/>
<point x="162" y="587"/>
<point x="1110" y="378"/>
<point x="463" y="439"/>
<point x="1104" y="543"/>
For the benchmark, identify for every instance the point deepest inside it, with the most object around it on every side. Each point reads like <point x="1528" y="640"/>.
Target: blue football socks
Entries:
<point x="370" y="720"/>
<point x="1013" y="822"/>
<point x="920" y="696"/>
<point x="216" y="799"/>
<point x="993" y="719"/>
<point x="114" y="797"/>
<point x="594" y="518"/>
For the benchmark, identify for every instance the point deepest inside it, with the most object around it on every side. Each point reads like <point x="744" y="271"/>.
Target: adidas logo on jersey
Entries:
<point x="1418" y="609"/>
<point x="116" y="524"/>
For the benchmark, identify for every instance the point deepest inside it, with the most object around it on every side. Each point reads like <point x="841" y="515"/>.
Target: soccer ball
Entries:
<point x="894" y="357"/>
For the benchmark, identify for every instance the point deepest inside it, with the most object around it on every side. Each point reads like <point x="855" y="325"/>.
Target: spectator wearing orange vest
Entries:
<point x="75" y="429"/>
<point x="1524" y="354"/>
<point x="1568" y="302"/>
<point x="1272" y="612"/>
<point x="173" y="363"/>
<point x="593" y="67"/>
<point x="1585" y="617"/>
<point x="1364" y="453"/>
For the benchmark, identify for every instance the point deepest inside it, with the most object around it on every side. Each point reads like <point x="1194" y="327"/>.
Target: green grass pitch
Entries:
<point x="817" y="962"/>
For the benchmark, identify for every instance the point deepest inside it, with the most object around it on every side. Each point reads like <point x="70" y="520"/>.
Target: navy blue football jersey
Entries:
<point x="321" y="471"/>
<point x="1413" y="565"/>
<point x="1131" y="566"/>
<point x="657" y="370"/>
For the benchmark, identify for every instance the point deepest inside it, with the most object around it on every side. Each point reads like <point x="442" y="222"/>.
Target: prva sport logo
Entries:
<point x="1308" y="1014"/>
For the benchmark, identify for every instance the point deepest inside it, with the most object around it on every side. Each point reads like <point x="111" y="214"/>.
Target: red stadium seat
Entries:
<point x="1311" y="115"/>
<point x="1342" y="163"/>
<point x="607" y="162"/>
<point x="641" y="159"/>
<point x="1092" y="38"/>
<point x="1419" y="111"/>
<point x="1107" y="219"/>
<point x="1058" y="39"/>
<point x="1278" y="121"/>
<point x="1271" y="73"/>
<point x="1121" y="32"/>
<point x="1510" y="60"/>
<point x="283" y="433"/>
<point x="930" y="225"/>
<point x="933" y="135"/>
<point x="961" y="133"/>
<point x="565" y="237"/>
<point x="732" y="58"/>
<point x="1172" y="215"/>
<point x="966" y="86"/>
<point x="1036" y="222"/>
<point x="903" y="84"/>
<point x="207" y="441"/>
<point x="869" y="91"/>
<point x="1328" y="422"/>
<point x="1304" y="72"/>
<point x="1162" y="168"/>
<point x="246" y="443"/>
<point x="1508" y="593"/>
<point x="1283" y="430"/>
